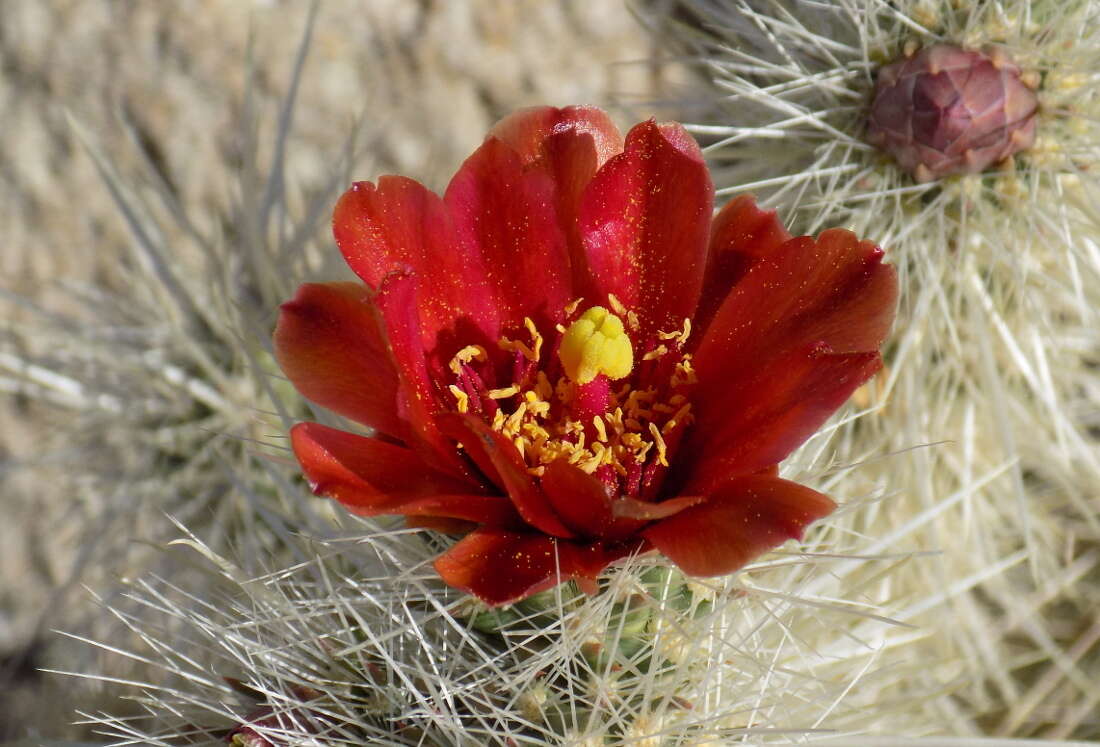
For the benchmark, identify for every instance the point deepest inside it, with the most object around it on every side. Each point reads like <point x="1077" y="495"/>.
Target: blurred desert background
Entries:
<point x="179" y="100"/>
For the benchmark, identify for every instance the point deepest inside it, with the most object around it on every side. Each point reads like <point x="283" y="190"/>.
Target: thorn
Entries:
<point x="998" y="58"/>
<point x="922" y="174"/>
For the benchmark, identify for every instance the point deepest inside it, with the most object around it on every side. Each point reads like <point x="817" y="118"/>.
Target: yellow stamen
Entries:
<point x="571" y="307"/>
<point x="657" y="352"/>
<point x="680" y="335"/>
<point x="662" y="449"/>
<point x="596" y="344"/>
<point x="463" y="398"/>
<point x="536" y="338"/>
<point x="505" y="393"/>
<point x="467" y="354"/>
<point x="683" y="415"/>
<point x="601" y="429"/>
<point x="616" y="305"/>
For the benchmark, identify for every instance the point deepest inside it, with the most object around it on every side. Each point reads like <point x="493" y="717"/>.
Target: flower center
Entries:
<point x="596" y="344"/>
<point x="564" y="407"/>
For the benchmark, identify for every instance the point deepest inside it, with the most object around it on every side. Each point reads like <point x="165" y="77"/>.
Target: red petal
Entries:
<point x="773" y="363"/>
<point x="328" y="342"/>
<point x="401" y="225"/>
<point x="440" y="524"/>
<point x="492" y="510"/>
<point x="371" y="477"/>
<point x="745" y="517"/>
<point x="498" y="459"/>
<point x="741" y="234"/>
<point x="758" y="419"/>
<point x="626" y="507"/>
<point x="570" y="145"/>
<point x="508" y="214"/>
<point x="529" y="131"/>
<point x="503" y="567"/>
<point x="418" y="400"/>
<point x="834" y="290"/>
<point x="578" y="498"/>
<point x="645" y="218"/>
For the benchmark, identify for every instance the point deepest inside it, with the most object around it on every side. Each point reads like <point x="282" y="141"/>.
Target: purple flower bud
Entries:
<point x="946" y="110"/>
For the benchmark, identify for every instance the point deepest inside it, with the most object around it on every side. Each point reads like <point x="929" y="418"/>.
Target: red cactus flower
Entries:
<point x="567" y="359"/>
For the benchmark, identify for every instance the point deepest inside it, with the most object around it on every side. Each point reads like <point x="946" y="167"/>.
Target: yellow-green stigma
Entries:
<point x="595" y="344"/>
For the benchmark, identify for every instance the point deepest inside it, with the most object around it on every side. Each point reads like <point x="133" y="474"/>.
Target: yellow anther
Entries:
<point x="536" y="338"/>
<point x="596" y="344"/>
<point x="657" y="352"/>
<point x="662" y="449"/>
<point x="683" y="415"/>
<point x="684" y="373"/>
<point x="616" y="305"/>
<point x="543" y="388"/>
<point x="571" y="307"/>
<point x="601" y="429"/>
<point x="530" y="352"/>
<point x="462" y="398"/>
<point x="517" y="346"/>
<point x="513" y="421"/>
<point x="681" y="335"/>
<point x="467" y="354"/>
<point x="505" y="393"/>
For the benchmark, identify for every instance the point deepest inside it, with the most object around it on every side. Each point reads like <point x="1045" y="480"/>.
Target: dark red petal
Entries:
<point x="440" y="524"/>
<point x="644" y="219"/>
<point x="626" y="507"/>
<point x="367" y="475"/>
<point x="329" y="343"/>
<point x="741" y="234"/>
<point x="570" y="145"/>
<point x="578" y="498"/>
<point x="498" y="459"/>
<point x="834" y="290"/>
<point x="402" y="226"/>
<point x="418" y="397"/>
<point x="765" y="414"/>
<point x="741" y="519"/>
<point x="502" y="567"/>
<point x="508" y="213"/>
<point x="491" y="510"/>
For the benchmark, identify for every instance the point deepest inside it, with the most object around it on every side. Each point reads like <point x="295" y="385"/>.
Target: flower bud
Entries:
<point x="947" y="110"/>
